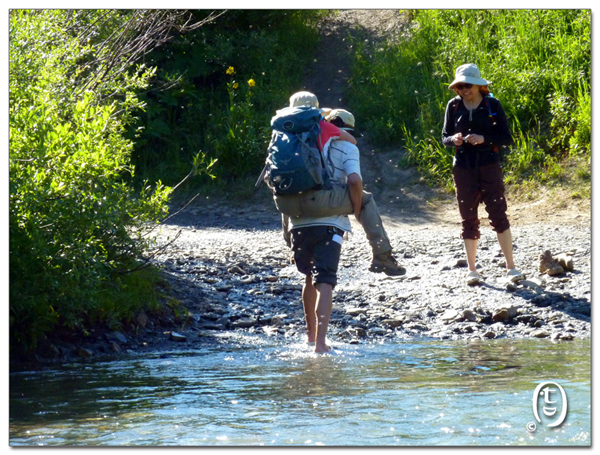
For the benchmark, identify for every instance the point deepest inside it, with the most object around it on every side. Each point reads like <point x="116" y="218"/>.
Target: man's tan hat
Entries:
<point x="304" y="99"/>
<point x="307" y="99"/>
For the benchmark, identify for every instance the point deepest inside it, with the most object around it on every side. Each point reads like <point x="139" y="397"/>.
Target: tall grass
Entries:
<point x="539" y="62"/>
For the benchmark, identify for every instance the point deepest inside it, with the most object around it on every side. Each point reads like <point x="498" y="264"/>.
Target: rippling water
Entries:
<point x="250" y="391"/>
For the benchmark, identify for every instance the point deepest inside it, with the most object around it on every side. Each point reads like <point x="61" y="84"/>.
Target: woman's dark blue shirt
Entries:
<point x="488" y="120"/>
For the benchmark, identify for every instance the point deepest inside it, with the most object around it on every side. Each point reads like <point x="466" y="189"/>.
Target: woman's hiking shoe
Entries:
<point x="386" y="263"/>
<point x="473" y="278"/>
<point x="514" y="275"/>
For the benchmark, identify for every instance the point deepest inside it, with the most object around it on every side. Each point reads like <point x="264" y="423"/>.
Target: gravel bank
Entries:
<point x="230" y="268"/>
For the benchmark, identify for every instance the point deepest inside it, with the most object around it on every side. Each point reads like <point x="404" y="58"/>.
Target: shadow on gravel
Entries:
<point x="577" y="308"/>
<point x="261" y="214"/>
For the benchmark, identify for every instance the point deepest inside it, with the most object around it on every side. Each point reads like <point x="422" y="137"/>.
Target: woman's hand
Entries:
<point x="474" y="139"/>
<point x="457" y="139"/>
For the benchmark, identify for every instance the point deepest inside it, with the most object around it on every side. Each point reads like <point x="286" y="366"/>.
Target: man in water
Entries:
<point x="317" y="245"/>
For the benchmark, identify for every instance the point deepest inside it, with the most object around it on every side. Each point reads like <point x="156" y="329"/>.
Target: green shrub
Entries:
<point x="76" y="225"/>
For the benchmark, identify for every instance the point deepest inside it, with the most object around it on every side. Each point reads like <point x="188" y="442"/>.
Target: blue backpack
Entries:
<point x="294" y="163"/>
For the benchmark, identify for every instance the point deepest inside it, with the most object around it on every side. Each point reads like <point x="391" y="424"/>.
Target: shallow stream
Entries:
<point x="241" y="390"/>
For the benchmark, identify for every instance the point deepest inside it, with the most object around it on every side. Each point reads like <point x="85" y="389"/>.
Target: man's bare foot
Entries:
<point x="322" y="348"/>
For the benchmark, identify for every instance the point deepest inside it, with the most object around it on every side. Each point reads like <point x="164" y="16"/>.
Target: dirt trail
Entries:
<point x="400" y="193"/>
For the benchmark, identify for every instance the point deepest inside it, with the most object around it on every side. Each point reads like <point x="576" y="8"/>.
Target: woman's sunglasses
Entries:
<point x="462" y="86"/>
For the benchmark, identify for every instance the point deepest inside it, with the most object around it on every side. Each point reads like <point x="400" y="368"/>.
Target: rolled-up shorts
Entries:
<point x="317" y="252"/>
<point x="475" y="185"/>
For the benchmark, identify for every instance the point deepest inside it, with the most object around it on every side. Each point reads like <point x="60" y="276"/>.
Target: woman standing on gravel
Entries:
<point x="476" y="126"/>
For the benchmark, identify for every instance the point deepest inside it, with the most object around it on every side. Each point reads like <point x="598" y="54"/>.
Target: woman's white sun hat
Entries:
<point x="470" y="74"/>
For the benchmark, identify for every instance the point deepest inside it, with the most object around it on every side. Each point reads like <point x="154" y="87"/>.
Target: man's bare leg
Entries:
<point x="323" y="314"/>
<point x="309" y="301"/>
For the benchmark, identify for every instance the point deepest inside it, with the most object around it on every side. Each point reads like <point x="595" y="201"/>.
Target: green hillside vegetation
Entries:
<point x="539" y="62"/>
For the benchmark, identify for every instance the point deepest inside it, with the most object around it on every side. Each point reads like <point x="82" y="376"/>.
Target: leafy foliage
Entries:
<point x="539" y="62"/>
<point x="75" y="222"/>
<point x="97" y="94"/>
<point x="197" y="103"/>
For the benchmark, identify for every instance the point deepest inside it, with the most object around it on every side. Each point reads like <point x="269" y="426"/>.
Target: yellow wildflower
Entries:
<point x="251" y="83"/>
<point x="230" y="70"/>
<point x="236" y="85"/>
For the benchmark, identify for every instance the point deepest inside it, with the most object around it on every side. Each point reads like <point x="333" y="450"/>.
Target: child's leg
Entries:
<point x="370" y="219"/>
<point x="337" y="202"/>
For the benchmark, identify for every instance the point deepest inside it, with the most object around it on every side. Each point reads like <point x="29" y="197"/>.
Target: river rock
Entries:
<point x="449" y="316"/>
<point x="500" y="315"/>
<point x="244" y="323"/>
<point x="207" y="325"/>
<point x="279" y="319"/>
<point x="393" y="323"/>
<point x="236" y="270"/>
<point x="174" y="336"/>
<point x="416" y="326"/>
<point x="549" y="265"/>
<point x="562" y="336"/>
<point x="565" y="261"/>
<point x="116" y="337"/>
<point x="377" y="330"/>
<point x="542" y="300"/>
<point x="224" y="288"/>
<point x="469" y="315"/>
<point x="352" y="333"/>
<point x="355" y="311"/>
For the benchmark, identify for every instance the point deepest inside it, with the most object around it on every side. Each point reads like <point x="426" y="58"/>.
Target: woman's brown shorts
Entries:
<point x="475" y="185"/>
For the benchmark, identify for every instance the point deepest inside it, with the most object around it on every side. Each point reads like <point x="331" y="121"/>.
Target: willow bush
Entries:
<point x="76" y="223"/>
<point x="103" y="101"/>
<point x="539" y="62"/>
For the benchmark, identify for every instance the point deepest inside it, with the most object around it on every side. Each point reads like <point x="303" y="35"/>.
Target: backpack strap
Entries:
<point x="457" y="100"/>
<point x="486" y="100"/>
<point x="491" y="114"/>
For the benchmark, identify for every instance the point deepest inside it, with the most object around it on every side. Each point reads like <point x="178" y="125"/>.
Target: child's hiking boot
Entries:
<point x="386" y="263"/>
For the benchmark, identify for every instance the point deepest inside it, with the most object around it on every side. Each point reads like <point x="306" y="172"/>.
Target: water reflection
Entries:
<point x="253" y="391"/>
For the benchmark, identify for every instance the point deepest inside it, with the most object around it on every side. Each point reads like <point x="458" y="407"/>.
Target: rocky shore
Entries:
<point x="227" y="271"/>
<point x="239" y="277"/>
